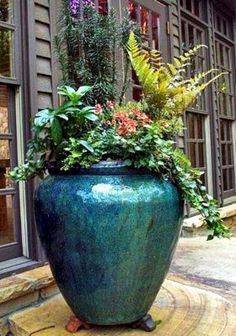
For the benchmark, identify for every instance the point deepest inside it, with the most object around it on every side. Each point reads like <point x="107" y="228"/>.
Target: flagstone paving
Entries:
<point x="198" y="298"/>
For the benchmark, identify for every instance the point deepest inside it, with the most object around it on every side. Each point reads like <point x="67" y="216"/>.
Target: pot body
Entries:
<point x="109" y="235"/>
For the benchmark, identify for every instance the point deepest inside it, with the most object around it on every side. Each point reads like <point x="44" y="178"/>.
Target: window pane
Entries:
<point x="230" y="152"/>
<point x="4" y="152"/>
<point x="133" y="10"/>
<point x="137" y="94"/>
<point x="228" y="130"/>
<point x="231" y="178"/>
<point x="3" y="109"/>
<point x="5" y="165"/>
<point x="189" y="5"/>
<point x="225" y="184"/>
<point x="221" y="54"/>
<point x="144" y="20"/>
<point x="190" y="36"/>
<point x="7" y="232"/>
<point x="196" y="7"/>
<point x="223" y="153"/>
<point x="183" y="32"/>
<point x="155" y="31"/>
<point x="6" y="11"/>
<point x="6" y="53"/>
<point x="190" y="126"/>
<point x="201" y="162"/>
<point x="200" y="127"/>
<point x="103" y="7"/>
<point x="218" y="23"/>
<point x="192" y="154"/>
<point x="222" y="130"/>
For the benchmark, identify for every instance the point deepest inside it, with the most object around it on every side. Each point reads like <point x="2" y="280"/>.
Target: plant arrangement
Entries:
<point x="93" y="124"/>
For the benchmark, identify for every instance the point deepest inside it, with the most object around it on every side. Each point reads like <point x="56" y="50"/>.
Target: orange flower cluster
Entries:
<point x="128" y="122"/>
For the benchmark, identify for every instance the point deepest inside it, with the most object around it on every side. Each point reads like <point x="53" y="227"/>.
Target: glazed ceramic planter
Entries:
<point x="109" y="233"/>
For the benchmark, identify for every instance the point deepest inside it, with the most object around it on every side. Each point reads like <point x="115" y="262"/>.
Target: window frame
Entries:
<point x="14" y="249"/>
<point x="198" y="24"/>
<point x="213" y="143"/>
<point x="219" y="37"/>
<point x="15" y="27"/>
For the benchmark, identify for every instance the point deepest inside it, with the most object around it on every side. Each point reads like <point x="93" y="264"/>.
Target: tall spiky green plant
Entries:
<point x="87" y="49"/>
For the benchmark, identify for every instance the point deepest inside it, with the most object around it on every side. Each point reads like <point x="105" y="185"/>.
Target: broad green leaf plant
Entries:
<point x="141" y="134"/>
<point x="52" y="129"/>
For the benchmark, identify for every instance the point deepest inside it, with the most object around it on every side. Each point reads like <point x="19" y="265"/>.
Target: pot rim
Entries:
<point x="109" y="167"/>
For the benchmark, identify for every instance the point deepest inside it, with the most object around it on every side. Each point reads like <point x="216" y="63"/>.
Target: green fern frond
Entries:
<point x="166" y="89"/>
<point x="192" y="52"/>
<point x="204" y="85"/>
<point x="156" y="59"/>
<point x="182" y="160"/>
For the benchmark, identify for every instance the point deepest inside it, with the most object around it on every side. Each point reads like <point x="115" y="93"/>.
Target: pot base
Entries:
<point x="146" y="323"/>
<point x="75" y="324"/>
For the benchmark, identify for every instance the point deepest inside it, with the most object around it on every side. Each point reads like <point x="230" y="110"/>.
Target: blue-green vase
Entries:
<point x="109" y="233"/>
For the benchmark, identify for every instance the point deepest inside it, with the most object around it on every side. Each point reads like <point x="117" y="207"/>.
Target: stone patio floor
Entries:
<point x="198" y="298"/>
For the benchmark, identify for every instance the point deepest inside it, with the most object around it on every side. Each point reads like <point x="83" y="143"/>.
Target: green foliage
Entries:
<point x="166" y="90"/>
<point x="52" y="129"/>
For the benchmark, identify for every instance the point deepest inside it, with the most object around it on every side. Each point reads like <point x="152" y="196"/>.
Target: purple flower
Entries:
<point x="75" y="4"/>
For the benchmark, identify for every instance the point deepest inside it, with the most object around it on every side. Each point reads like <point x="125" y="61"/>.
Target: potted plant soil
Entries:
<point x="110" y="205"/>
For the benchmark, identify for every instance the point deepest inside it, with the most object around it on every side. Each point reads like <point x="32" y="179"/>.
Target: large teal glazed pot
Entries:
<point x="109" y="233"/>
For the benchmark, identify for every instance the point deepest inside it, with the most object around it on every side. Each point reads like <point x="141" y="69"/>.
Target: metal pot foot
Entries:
<point x="146" y="323"/>
<point x="75" y="324"/>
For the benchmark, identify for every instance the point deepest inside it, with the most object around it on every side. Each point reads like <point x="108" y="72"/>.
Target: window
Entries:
<point x="10" y="230"/>
<point x="196" y="142"/>
<point x="224" y="56"/>
<point x="195" y="7"/>
<point x="223" y="24"/>
<point x="7" y="29"/>
<point x="216" y="107"/>
<point x="193" y="34"/>
<point x="100" y="5"/>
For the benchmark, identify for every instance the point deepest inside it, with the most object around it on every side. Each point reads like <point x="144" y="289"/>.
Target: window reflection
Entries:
<point x="5" y="10"/>
<point x="103" y="7"/>
<point x="6" y="64"/>
<point x="3" y="109"/>
<point x="7" y="234"/>
<point x="155" y="31"/>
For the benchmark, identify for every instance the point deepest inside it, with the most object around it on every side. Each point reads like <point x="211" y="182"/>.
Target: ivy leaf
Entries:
<point x="128" y="162"/>
<point x="210" y="237"/>
<point x="56" y="131"/>
<point x="86" y="145"/>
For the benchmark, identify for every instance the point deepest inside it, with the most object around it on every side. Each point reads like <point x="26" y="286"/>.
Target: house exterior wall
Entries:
<point x="35" y="89"/>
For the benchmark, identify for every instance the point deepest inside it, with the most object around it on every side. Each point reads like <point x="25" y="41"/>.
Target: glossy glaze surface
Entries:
<point x="109" y="239"/>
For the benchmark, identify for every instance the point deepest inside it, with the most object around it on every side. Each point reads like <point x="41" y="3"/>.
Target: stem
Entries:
<point x="126" y="79"/>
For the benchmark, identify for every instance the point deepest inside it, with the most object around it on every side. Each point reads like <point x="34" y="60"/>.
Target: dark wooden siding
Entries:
<point x="176" y="40"/>
<point x="175" y="27"/>
<point x="44" y="19"/>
